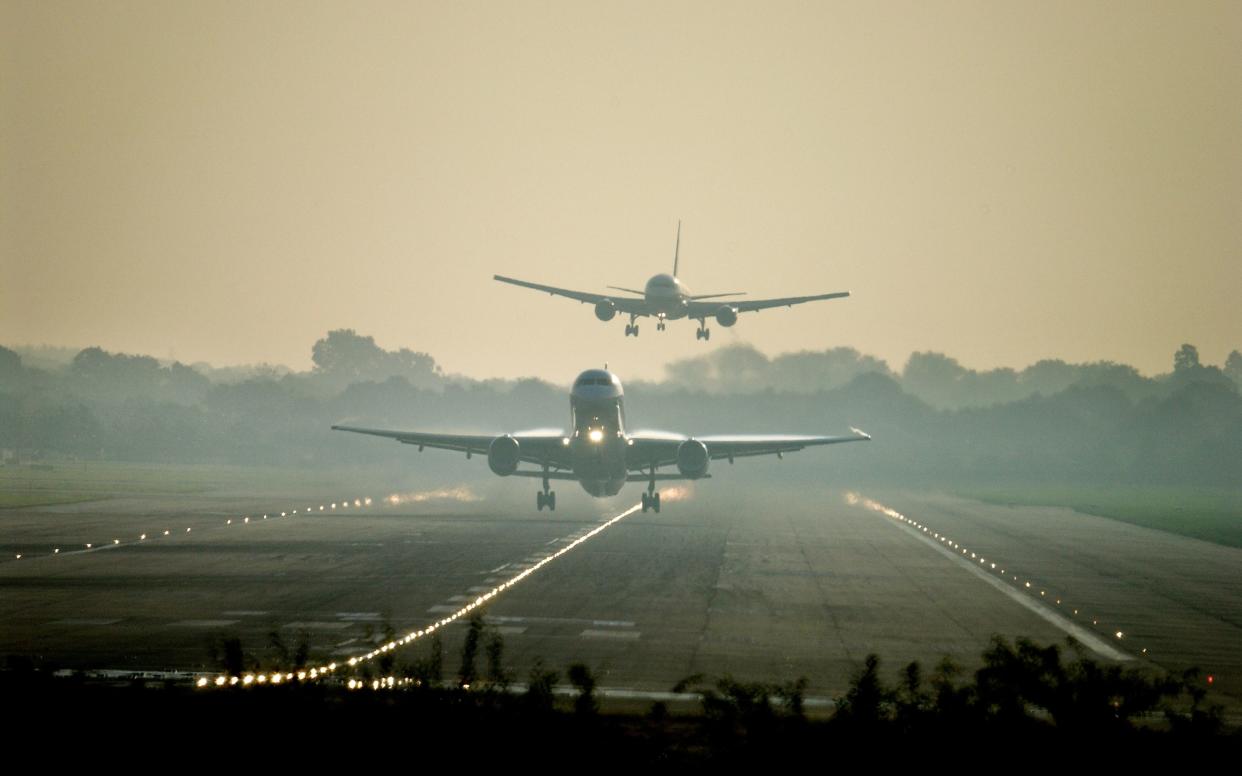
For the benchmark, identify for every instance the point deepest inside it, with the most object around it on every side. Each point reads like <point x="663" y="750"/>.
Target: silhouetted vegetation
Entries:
<point x="1022" y="693"/>
<point x="470" y="650"/>
<point x="585" y="705"/>
<point x="497" y="675"/>
<point x="539" y="686"/>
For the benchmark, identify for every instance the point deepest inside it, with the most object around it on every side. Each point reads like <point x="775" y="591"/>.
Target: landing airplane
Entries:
<point x="598" y="452"/>
<point x="666" y="298"/>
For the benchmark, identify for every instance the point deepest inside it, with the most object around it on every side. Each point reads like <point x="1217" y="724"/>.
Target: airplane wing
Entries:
<point x="660" y="449"/>
<point x="537" y="447"/>
<point x="701" y="309"/>
<point x="624" y="304"/>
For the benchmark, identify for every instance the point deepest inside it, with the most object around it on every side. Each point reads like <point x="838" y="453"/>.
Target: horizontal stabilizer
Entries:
<point x="538" y="475"/>
<point x="713" y="296"/>
<point x="647" y="477"/>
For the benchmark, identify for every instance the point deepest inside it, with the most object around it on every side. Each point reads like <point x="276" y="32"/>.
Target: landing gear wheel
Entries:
<point x="660" y="326"/>
<point x="551" y="499"/>
<point x="651" y="501"/>
<point x="707" y="334"/>
<point x="539" y="500"/>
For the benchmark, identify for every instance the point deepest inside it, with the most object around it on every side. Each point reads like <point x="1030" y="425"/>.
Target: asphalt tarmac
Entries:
<point x="759" y="584"/>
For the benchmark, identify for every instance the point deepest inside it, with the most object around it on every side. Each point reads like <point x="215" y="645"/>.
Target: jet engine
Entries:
<point x="726" y="316"/>
<point x="605" y="310"/>
<point x="503" y="455"/>
<point x="692" y="459"/>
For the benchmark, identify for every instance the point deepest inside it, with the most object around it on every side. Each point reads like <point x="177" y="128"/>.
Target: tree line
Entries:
<point x="934" y="421"/>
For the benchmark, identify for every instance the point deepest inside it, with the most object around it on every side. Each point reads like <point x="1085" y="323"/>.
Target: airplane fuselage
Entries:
<point x="666" y="297"/>
<point x="597" y="442"/>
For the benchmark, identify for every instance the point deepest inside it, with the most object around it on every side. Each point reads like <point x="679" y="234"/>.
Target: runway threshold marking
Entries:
<point x="934" y="540"/>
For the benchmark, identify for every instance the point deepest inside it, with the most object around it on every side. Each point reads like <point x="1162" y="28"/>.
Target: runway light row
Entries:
<point x="854" y="499"/>
<point x="319" y="672"/>
<point x="442" y="494"/>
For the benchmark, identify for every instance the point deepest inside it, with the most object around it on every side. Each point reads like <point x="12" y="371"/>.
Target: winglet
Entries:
<point x="862" y="434"/>
<point x="677" y="248"/>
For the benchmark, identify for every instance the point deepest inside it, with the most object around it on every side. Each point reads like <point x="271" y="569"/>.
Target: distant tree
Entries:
<point x="10" y="363"/>
<point x="435" y="661"/>
<point x="584" y="682"/>
<point x="794" y="695"/>
<point x="539" y="696"/>
<point x="911" y="702"/>
<point x="344" y="352"/>
<point x="345" y="357"/>
<point x="1233" y="367"/>
<point x="470" y="650"/>
<point x="278" y="649"/>
<point x="229" y="655"/>
<point x="496" y="674"/>
<point x="1186" y="358"/>
<point x="1196" y="721"/>
<point x="934" y="377"/>
<point x="301" y="649"/>
<point x="867" y="701"/>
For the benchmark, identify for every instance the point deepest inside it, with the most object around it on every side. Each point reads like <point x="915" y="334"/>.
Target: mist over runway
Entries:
<point x="719" y="583"/>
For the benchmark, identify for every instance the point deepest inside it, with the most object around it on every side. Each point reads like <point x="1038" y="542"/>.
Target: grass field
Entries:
<point x="1210" y="514"/>
<point x="77" y="482"/>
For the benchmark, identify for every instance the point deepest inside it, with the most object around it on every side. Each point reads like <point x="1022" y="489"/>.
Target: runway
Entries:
<point x="759" y="584"/>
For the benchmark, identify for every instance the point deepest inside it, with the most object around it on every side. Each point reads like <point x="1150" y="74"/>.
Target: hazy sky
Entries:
<point x="999" y="181"/>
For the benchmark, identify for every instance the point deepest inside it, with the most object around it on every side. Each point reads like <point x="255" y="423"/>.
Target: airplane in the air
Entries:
<point x="599" y="452"/>
<point x="666" y="298"/>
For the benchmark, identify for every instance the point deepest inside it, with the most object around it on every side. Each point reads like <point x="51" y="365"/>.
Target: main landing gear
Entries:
<point x="545" y="498"/>
<point x="651" y="499"/>
<point x="631" y="328"/>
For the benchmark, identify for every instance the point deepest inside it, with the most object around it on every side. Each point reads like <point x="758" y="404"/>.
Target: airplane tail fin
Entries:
<point x="677" y="249"/>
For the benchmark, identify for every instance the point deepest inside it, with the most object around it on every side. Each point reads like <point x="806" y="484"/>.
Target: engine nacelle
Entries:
<point x="503" y="455"/>
<point x="726" y="316"/>
<point x="692" y="459"/>
<point x="605" y="310"/>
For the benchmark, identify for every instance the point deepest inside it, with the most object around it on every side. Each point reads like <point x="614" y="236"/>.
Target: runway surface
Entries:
<point x="760" y="585"/>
